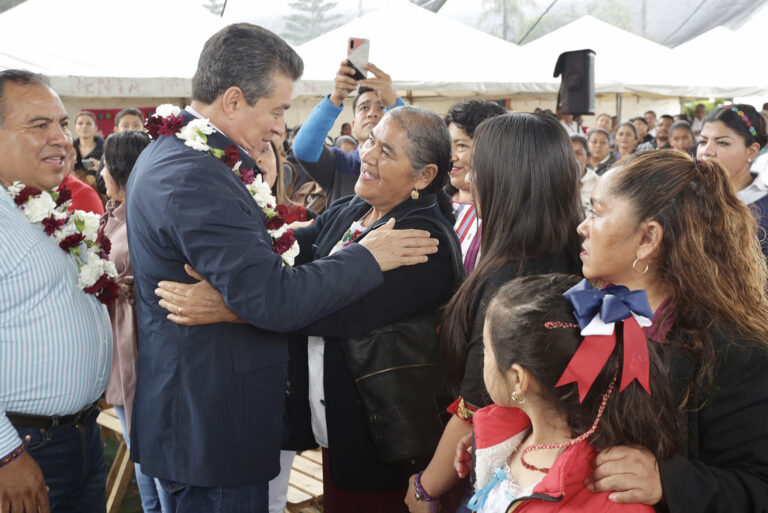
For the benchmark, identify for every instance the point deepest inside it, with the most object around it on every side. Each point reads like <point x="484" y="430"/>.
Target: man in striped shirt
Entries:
<point x="55" y="340"/>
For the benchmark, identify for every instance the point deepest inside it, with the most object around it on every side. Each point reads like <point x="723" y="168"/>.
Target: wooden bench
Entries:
<point x="122" y="468"/>
<point x="305" y="485"/>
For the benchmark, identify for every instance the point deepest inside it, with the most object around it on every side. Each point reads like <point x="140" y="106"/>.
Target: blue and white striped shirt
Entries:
<point x="55" y="340"/>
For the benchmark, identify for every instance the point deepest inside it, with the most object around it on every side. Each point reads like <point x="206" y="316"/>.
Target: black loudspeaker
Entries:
<point x="577" y="87"/>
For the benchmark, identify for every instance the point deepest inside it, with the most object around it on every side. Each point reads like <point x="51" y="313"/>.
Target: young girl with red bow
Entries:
<point x="570" y="372"/>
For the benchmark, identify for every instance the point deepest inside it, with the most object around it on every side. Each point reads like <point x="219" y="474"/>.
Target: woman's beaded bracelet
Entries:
<point x="12" y="456"/>
<point x="422" y="495"/>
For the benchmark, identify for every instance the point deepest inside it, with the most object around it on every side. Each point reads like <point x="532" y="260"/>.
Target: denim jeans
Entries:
<point x="154" y="498"/>
<point x="238" y="499"/>
<point x="71" y="458"/>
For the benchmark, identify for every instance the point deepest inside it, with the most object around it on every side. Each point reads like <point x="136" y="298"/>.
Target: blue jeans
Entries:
<point x="71" y="458"/>
<point x="238" y="499"/>
<point x="154" y="498"/>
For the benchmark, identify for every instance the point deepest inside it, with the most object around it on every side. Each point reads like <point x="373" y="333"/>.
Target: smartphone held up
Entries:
<point x="357" y="56"/>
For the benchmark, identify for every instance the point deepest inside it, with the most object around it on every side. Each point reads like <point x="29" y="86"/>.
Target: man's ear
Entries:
<point x="231" y="101"/>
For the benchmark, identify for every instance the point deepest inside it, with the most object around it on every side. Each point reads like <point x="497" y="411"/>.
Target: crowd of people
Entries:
<point x="471" y="312"/>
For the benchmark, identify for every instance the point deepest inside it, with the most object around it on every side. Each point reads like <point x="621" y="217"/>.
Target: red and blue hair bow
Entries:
<point x="597" y="312"/>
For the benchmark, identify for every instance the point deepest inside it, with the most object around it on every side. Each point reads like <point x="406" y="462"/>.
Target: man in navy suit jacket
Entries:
<point x="208" y="412"/>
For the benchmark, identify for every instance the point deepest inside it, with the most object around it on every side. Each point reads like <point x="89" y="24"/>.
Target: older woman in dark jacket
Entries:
<point x="405" y="164"/>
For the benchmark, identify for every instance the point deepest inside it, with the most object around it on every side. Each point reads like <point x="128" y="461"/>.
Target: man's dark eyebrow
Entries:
<point x="41" y="118"/>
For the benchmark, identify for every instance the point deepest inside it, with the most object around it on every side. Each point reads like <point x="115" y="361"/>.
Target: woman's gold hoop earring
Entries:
<point x="635" y="268"/>
<point x="414" y="194"/>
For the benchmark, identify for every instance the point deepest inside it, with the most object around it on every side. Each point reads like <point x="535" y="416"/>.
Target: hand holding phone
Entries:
<point x="343" y="83"/>
<point x="382" y="84"/>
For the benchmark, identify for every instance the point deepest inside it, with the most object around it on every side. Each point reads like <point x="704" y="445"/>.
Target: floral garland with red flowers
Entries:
<point x="167" y="121"/>
<point x="77" y="233"/>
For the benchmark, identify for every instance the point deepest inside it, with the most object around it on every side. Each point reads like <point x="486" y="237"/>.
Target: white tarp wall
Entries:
<point x="90" y="59"/>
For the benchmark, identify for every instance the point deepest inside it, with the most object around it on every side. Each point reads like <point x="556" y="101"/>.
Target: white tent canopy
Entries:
<point x="157" y="61"/>
<point x="720" y="63"/>
<point x="624" y="62"/>
<point x="422" y="52"/>
<point x="426" y="54"/>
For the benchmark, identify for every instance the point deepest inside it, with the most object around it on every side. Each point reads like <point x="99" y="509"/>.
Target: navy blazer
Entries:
<point x="209" y="399"/>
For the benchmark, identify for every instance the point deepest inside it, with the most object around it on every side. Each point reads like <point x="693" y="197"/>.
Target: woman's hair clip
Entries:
<point x="597" y="312"/>
<point x="743" y="117"/>
<point x="551" y="325"/>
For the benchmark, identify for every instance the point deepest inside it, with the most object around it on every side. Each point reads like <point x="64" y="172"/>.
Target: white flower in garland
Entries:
<point x="90" y="224"/>
<point x="261" y="193"/>
<point x="73" y="234"/>
<point x="276" y="234"/>
<point x="195" y="134"/>
<point x="39" y="208"/>
<point x="15" y="189"/>
<point x="94" y="268"/>
<point x="289" y="257"/>
<point x="165" y="110"/>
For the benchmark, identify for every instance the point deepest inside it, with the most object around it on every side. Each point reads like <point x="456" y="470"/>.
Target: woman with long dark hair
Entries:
<point x="672" y="226"/>
<point x="735" y="135"/>
<point x="525" y="185"/>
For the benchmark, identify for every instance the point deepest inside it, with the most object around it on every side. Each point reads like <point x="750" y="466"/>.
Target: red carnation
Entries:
<point x="292" y="213"/>
<point x="247" y="176"/>
<point x="153" y="124"/>
<point x="72" y="241"/>
<point x="105" y="246"/>
<point x="105" y="289"/>
<point x="231" y="155"/>
<point x="64" y="195"/>
<point x="109" y="293"/>
<point x="26" y="193"/>
<point x="274" y="223"/>
<point x="52" y="224"/>
<point x="170" y="125"/>
<point x="284" y="243"/>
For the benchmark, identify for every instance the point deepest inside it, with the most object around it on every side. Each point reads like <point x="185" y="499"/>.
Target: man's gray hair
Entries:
<point x="245" y="56"/>
<point x="18" y="77"/>
<point x="345" y="139"/>
<point x="429" y="141"/>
